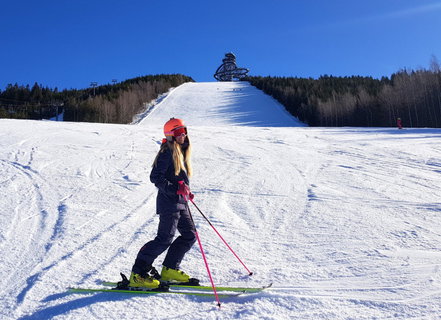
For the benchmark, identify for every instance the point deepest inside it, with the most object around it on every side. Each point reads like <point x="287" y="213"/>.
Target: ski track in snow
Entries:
<point x="344" y="221"/>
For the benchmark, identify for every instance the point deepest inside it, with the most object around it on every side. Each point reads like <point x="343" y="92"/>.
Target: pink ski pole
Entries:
<point x="249" y="272"/>
<point x="205" y="260"/>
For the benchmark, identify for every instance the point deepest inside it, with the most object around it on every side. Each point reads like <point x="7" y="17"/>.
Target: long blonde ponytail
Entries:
<point x="181" y="160"/>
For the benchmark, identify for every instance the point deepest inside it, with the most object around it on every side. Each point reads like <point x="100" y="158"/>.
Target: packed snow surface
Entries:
<point x="220" y="104"/>
<point x="345" y="222"/>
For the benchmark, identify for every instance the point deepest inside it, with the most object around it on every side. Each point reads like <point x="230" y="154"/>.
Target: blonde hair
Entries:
<point x="181" y="160"/>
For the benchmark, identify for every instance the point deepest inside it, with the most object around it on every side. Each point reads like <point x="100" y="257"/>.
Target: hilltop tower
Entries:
<point x="228" y="71"/>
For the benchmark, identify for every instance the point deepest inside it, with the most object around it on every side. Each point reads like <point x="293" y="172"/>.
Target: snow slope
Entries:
<point x="344" y="221"/>
<point x="221" y="104"/>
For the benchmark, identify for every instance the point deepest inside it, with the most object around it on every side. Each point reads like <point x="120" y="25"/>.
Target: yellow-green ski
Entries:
<point x="201" y="294"/>
<point x="206" y="288"/>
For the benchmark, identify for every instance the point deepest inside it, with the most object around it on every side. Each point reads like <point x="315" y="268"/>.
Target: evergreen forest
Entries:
<point x="414" y="96"/>
<point x="112" y="103"/>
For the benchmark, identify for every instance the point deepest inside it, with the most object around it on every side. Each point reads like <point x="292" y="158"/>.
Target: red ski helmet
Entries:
<point x="173" y="126"/>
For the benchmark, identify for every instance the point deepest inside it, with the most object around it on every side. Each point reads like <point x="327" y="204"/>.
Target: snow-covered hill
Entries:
<point x="344" y="221"/>
<point x="221" y="104"/>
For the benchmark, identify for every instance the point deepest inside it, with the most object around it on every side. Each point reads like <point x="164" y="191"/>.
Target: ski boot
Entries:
<point x="143" y="282"/>
<point x="176" y="276"/>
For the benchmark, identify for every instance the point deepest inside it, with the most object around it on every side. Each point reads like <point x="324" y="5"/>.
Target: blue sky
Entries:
<point x="68" y="44"/>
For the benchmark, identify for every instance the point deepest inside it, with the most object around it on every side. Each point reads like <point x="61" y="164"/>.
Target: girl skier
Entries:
<point x="170" y="174"/>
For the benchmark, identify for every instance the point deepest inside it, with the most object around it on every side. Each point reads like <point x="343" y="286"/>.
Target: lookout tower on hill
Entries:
<point x="228" y="71"/>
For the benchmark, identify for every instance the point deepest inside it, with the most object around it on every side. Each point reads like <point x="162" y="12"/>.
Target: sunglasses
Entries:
<point x="179" y="132"/>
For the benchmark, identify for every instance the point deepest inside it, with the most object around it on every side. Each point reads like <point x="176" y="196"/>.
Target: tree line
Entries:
<point x="412" y="95"/>
<point x="112" y="103"/>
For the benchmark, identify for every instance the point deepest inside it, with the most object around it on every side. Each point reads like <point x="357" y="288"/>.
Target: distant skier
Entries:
<point x="170" y="174"/>
<point x="399" y="123"/>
